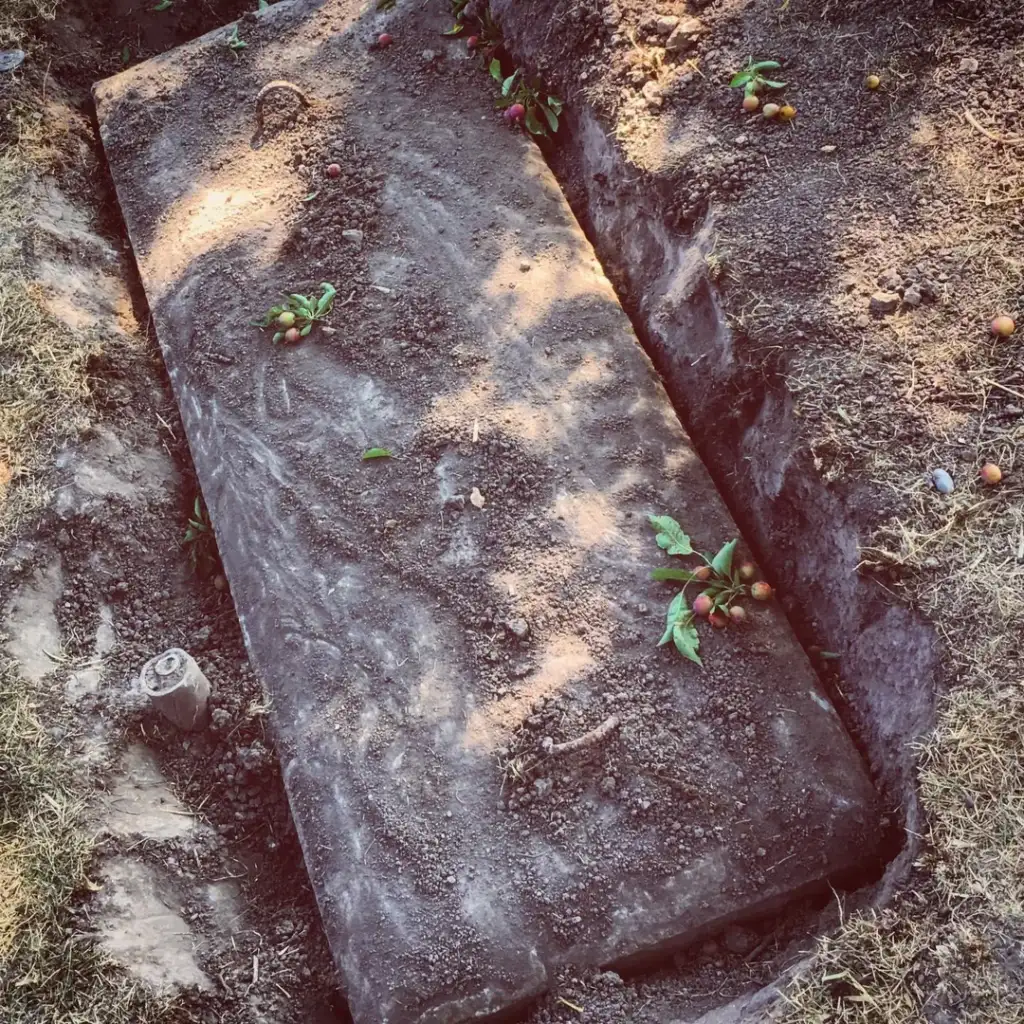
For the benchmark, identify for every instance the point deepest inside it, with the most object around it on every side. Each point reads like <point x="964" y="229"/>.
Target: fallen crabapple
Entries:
<point x="738" y="614"/>
<point x="515" y="113"/>
<point x="1003" y="326"/>
<point x="334" y="170"/>
<point x="751" y="103"/>
<point x="286" y="320"/>
<point x="384" y="40"/>
<point x="472" y="42"/>
<point x="872" y="81"/>
<point x="747" y="571"/>
<point x="770" y="110"/>
<point x="292" y="335"/>
<point x="991" y="474"/>
<point x="718" y="620"/>
<point x="787" y="112"/>
<point x="760" y="591"/>
<point x="702" y="605"/>
<point x="702" y="573"/>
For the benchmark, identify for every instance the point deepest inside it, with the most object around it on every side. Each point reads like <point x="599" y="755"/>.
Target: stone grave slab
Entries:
<point x="432" y="626"/>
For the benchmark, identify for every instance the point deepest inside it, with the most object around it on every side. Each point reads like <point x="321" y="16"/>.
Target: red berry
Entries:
<point x="384" y="40"/>
<point x="761" y="592"/>
<point x="702" y="605"/>
<point x="334" y="170"/>
<point x="703" y="573"/>
<point x="292" y="335"/>
<point x="718" y="620"/>
<point x="516" y="112"/>
<point x="472" y="42"/>
<point x="748" y="571"/>
<point x="738" y="614"/>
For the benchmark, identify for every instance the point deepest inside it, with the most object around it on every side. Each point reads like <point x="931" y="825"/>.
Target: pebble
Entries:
<point x="884" y="302"/>
<point x="828" y="149"/>
<point x="519" y="628"/>
<point x="942" y="481"/>
<point x="525" y="265"/>
<point x="665" y="24"/>
<point x="912" y="296"/>
<point x="353" y="235"/>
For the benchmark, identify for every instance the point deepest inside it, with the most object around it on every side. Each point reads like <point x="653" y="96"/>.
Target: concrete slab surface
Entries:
<point x="428" y="625"/>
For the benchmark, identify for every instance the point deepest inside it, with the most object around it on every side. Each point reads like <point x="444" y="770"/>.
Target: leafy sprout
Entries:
<point x="722" y="582"/>
<point x="542" y="109"/>
<point x="750" y="79"/>
<point x="200" y="541"/>
<point x="236" y="44"/>
<point x="299" y="311"/>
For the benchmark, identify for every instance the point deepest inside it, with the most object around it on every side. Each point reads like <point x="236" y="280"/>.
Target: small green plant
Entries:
<point x="295" y="317"/>
<point x="200" y="541"/>
<point x="526" y="101"/>
<point x="236" y="44"/>
<point x="377" y="453"/>
<point x="750" y="79"/>
<point x="164" y="5"/>
<point x="724" y="585"/>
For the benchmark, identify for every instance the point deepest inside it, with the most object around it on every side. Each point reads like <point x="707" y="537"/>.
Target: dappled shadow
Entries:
<point x="420" y="620"/>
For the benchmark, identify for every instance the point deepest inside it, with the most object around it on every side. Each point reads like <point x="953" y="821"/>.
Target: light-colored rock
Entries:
<point x="684" y="34"/>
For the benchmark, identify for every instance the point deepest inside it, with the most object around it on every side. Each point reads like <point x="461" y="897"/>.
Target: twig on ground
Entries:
<point x="589" y="739"/>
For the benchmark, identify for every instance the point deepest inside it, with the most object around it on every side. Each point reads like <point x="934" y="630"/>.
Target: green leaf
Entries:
<point x="326" y="299"/>
<point x="741" y="79"/>
<point x="774" y="85"/>
<point x="722" y="562"/>
<point x="126" y="55"/>
<point x="163" y="5"/>
<point x="751" y="89"/>
<point x="385" y="5"/>
<point x="454" y="30"/>
<point x="302" y="301"/>
<point x="310" y="197"/>
<point x="197" y="507"/>
<point x="830" y="655"/>
<point x="551" y="116"/>
<point x="305" y="330"/>
<point x="673" y="574"/>
<point x="533" y="126"/>
<point x="377" y="453"/>
<point x="764" y="65"/>
<point x="687" y="641"/>
<point x="555" y="104"/>
<point x="677" y="611"/>
<point x="506" y="86"/>
<point x="670" y="536"/>
<point x="496" y="70"/>
<point x="263" y="6"/>
<point x="277" y="337"/>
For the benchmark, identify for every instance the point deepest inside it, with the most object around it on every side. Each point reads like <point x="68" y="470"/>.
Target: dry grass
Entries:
<point x="43" y="383"/>
<point x="948" y="948"/>
<point x="48" y="975"/>
<point x="17" y="16"/>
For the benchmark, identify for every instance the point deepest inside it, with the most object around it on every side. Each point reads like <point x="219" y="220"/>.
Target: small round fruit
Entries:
<point x="334" y="170"/>
<point x="738" y="614"/>
<point x="787" y="112"/>
<point x="516" y="112"/>
<point x="286" y="320"/>
<point x="219" y="582"/>
<point x="292" y="335"/>
<point x="748" y="571"/>
<point x="384" y="40"/>
<point x="472" y="42"/>
<point x="872" y="81"/>
<point x="991" y="474"/>
<point x="770" y="110"/>
<point x="1003" y="327"/>
<point x="702" y="573"/>
<point x="718" y="620"/>
<point x="761" y="591"/>
<point x="751" y="103"/>
<point x="702" y="605"/>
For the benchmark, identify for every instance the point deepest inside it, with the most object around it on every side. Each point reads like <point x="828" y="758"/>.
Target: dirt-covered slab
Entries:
<point x="434" y="625"/>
